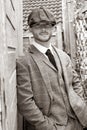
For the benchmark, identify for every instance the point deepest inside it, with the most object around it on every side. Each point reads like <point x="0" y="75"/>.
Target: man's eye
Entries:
<point x="37" y="24"/>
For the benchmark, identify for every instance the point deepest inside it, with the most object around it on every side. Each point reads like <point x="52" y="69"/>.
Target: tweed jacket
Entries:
<point x="34" y="90"/>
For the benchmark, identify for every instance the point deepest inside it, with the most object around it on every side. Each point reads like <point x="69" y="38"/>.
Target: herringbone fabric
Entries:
<point x="34" y="91"/>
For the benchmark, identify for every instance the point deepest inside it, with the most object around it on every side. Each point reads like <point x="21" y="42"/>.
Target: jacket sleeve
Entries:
<point x="77" y="85"/>
<point x="76" y="98"/>
<point x="76" y="80"/>
<point x="74" y="89"/>
<point x="25" y="100"/>
<point x="73" y="77"/>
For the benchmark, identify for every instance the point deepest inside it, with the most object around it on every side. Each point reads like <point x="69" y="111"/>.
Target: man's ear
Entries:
<point x="54" y="29"/>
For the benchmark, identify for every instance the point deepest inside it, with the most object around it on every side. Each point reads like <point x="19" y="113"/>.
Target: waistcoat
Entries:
<point x="60" y="108"/>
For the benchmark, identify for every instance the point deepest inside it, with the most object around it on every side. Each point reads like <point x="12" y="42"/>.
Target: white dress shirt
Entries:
<point x="41" y="48"/>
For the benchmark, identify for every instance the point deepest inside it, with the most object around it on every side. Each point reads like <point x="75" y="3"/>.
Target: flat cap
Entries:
<point x="41" y="14"/>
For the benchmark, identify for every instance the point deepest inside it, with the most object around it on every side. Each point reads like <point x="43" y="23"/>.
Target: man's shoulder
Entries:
<point x="24" y="59"/>
<point x="61" y="52"/>
<point x="63" y="56"/>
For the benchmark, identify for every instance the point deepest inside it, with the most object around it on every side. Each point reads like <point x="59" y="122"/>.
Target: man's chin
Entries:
<point x="45" y="39"/>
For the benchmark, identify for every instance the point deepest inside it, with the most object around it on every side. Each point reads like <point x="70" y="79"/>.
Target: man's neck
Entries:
<point x="41" y="48"/>
<point x="45" y="44"/>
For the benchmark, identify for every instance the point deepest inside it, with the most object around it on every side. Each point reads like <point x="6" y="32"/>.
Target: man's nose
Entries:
<point x="43" y="28"/>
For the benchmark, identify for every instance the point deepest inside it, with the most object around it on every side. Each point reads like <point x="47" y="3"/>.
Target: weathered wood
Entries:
<point x="59" y="36"/>
<point x="11" y="34"/>
<point x="12" y="116"/>
<point x="19" y="14"/>
<point x="71" y="31"/>
<point x="68" y="27"/>
<point x="10" y="12"/>
<point x="11" y="61"/>
<point x="11" y="90"/>
<point x="9" y="39"/>
<point x="65" y="26"/>
<point x="2" y="76"/>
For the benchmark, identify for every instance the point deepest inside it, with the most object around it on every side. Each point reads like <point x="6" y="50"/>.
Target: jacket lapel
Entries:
<point x="40" y="60"/>
<point x="39" y="57"/>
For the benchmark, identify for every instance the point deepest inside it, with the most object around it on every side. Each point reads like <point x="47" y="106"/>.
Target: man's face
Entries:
<point x="42" y="32"/>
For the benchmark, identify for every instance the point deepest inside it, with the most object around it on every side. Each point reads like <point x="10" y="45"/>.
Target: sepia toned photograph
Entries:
<point x="43" y="64"/>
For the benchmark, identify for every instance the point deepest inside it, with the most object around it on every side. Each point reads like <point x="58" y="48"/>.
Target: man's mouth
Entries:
<point x="43" y="33"/>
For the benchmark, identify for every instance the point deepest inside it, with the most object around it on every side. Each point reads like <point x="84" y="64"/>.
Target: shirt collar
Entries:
<point x="41" y="48"/>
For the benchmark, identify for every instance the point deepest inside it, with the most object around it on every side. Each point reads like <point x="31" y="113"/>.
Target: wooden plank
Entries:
<point x="12" y="116"/>
<point x="11" y="90"/>
<point x="15" y="4"/>
<point x="11" y="34"/>
<point x="65" y="26"/>
<point x="19" y="14"/>
<point x="10" y="12"/>
<point x="11" y="61"/>
<point x="71" y="32"/>
<point x="9" y="39"/>
<point x="3" y="59"/>
<point x="59" y="36"/>
<point x="15" y="122"/>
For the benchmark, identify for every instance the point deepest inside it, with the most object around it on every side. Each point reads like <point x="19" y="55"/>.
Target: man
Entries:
<point x="45" y="92"/>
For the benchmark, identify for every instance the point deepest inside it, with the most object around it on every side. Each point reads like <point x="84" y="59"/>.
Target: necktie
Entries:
<point x="51" y="58"/>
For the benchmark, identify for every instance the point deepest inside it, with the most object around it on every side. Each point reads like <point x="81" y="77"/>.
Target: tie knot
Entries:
<point x="48" y="52"/>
